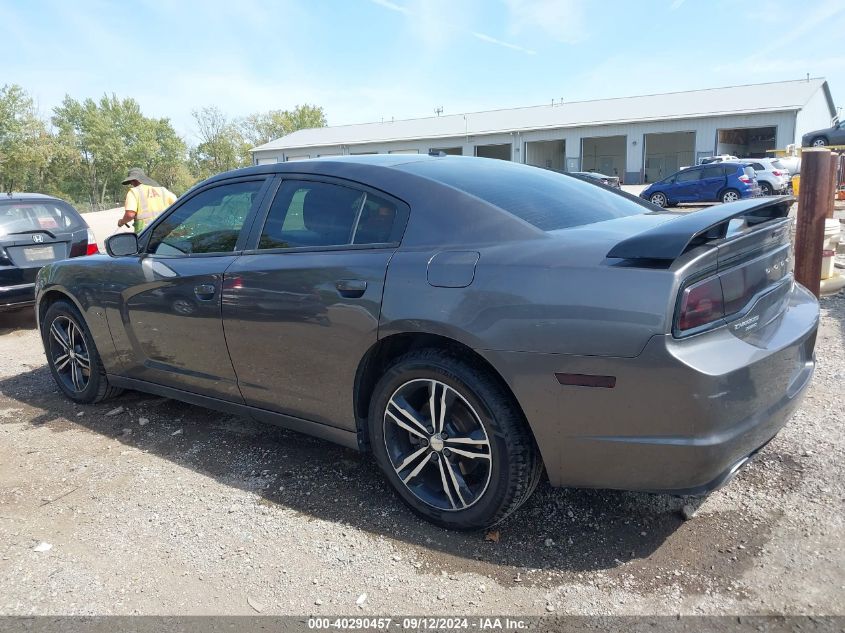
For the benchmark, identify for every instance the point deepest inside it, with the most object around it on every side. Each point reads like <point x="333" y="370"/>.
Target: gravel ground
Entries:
<point x="150" y="506"/>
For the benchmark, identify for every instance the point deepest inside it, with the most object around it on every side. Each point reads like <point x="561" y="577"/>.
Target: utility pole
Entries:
<point x="815" y="203"/>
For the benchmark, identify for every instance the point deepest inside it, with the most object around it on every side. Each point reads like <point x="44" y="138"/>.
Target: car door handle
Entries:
<point x="351" y="288"/>
<point x="205" y="292"/>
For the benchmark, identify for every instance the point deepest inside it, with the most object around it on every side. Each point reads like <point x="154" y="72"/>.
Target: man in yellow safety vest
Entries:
<point x="144" y="201"/>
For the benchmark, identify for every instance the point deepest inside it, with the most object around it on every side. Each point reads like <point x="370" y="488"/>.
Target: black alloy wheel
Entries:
<point x="69" y="354"/>
<point x="451" y="440"/>
<point x="437" y="444"/>
<point x="72" y="355"/>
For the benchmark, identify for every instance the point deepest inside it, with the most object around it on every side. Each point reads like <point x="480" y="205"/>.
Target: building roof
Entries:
<point x="749" y="99"/>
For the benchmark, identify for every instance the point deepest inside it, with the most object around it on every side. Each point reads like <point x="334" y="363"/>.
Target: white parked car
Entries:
<point x="721" y="158"/>
<point x="772" y="175"/>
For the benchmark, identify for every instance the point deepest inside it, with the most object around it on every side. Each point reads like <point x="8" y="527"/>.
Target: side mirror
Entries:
<point x="122" y="244"/>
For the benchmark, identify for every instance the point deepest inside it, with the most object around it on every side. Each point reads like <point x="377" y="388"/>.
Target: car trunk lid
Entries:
<point x="742" y="274"/>
<point x="34" y="249"/>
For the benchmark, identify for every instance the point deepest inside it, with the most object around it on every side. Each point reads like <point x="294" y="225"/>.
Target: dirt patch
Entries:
<point x="154" y="506"/>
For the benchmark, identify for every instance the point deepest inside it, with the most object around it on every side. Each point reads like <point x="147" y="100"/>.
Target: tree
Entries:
<point x="84" y="150"/>
<point x="113" y="135"/>
<point x="222" y="146"/>
<point x="24" y="141"/>
<point x="263" y="127"/>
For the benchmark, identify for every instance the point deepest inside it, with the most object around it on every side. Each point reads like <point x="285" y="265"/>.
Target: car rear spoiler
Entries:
<point x="671" y="239"/>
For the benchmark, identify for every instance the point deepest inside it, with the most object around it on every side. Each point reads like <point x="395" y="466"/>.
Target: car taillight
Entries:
<point x="701" y="303"/>
<point x="745" y="179"/>
<point x="92" y="248"/>
<point x="778" y="172"/>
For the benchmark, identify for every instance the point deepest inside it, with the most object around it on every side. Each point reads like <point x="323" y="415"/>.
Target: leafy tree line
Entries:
<point x="86" y="147"/>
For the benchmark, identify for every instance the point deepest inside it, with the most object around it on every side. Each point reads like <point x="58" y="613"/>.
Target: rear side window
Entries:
<point x="29" y="217"/>
<point x="546" y="199"/>
<point x="713" y="172"/>
<point x="311" y="213"/>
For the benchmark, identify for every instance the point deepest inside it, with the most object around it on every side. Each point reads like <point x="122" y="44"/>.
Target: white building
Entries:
<point x="640" y="138"/>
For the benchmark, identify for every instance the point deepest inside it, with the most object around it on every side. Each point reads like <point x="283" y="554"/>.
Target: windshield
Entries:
<point x="544" y="198"/>
<point x="28" y="216"/>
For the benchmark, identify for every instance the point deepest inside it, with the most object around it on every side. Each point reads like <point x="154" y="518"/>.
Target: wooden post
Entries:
<point x="814" y="199"/>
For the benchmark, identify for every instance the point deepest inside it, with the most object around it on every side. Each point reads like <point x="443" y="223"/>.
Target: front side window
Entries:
<point x="209" y="222"/>
<point x="312" y="214"/>
<point x="688" y="175"/>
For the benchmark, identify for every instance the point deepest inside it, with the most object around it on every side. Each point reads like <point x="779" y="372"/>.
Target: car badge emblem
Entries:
<point x="38" y="239"/>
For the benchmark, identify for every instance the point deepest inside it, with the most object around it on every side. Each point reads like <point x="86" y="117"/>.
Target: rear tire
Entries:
<point x="730" y="195"/>
<point x="73" y="357"/>
<point x="451" y="441"/>
<point x="766" y="189"/>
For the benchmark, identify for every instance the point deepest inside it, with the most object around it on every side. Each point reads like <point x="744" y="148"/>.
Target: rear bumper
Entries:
<point x="683" y="415"/>
<point x="17" y="296"/>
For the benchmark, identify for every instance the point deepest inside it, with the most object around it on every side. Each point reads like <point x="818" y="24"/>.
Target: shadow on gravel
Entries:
<point x="590" y="530"/>
<point x="16" y="320"/>
<point x="835" y="307"/>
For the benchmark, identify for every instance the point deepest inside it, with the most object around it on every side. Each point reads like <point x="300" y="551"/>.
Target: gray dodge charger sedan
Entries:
<point x="470" y="322"/>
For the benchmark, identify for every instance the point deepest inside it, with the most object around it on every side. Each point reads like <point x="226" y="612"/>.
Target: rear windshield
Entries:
<point x="22" y="216"/>
<point x="749" y="171"/>
<point x="777" y="164"/>
<point x="547" y="199"/>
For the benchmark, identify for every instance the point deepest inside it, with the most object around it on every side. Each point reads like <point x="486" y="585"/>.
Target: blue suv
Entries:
<point x="716" y="182"/>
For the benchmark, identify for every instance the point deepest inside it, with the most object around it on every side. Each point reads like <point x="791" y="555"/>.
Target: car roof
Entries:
<point x="329" y="164"/>
<point x="27" y="196"/>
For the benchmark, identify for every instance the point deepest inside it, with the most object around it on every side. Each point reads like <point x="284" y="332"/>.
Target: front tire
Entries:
<point x="731" y="195"/>
<point x="451" y="441"/>
<point x="819" y="141"/>
<point x="659" y="199"/>
<point x="72" y="355"/>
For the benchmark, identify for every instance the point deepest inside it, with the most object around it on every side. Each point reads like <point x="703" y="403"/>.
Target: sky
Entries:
<point x="368" y="60"/>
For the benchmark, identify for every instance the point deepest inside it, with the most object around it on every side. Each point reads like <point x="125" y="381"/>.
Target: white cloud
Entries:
<point x="435" y="23"/>
<point x="562" y="20"/>
<point x="387" y="4"/>
<point x="492" y="40"/>
<point x="676" y="4"/>
<point x="814" y="18"/>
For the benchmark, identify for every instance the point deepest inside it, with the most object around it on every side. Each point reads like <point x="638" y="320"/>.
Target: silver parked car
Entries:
<point x="772" y="175"/>
<point x="472" y="323"/>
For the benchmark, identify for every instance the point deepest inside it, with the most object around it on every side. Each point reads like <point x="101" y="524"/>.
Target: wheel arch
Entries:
<point x="385" y="350"/>
<point x="51" y="296"/>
